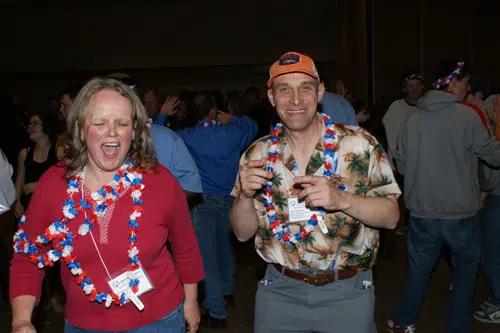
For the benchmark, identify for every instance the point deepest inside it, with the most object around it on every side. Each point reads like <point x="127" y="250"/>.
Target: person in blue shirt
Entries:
<point x="170" y="150"/>
<point x="216" y="144"/>
<point x="338" y="109"/>
<point x="173" y="154"/>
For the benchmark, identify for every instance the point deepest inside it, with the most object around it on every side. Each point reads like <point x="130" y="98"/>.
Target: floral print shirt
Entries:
<point x="363" y="168"/>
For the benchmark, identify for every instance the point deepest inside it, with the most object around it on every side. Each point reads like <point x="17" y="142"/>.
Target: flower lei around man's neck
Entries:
<point x="127" y="177"/>
<point x="444" y="82"/>
<point x="208" y="123"/>
<point x="280" y="229"/>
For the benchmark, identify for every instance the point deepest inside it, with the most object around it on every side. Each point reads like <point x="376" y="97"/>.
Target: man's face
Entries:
<point x="150" y="103"/>
<point x="461" y="88"/>
<point x="414" y="88"/>
<point x="65" y="107"/>
<point x="296" y="97"/>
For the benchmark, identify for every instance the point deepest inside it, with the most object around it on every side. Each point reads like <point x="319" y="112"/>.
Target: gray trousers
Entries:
<point x="286" y="305"/>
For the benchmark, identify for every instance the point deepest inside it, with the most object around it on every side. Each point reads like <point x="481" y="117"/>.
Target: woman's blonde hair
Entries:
<point x="141" y="149"/>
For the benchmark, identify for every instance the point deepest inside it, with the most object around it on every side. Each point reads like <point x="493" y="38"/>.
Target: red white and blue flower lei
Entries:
<point x="280" y="229"/>
<point x="444" y="82"/>
<point x="208" y="123"/>
<point x="126" y="178"/>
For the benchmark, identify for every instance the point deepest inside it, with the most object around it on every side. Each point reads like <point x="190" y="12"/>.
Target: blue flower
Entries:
<point x="101" y="297"/>
<point x="133" y="283"/>
<point x="133" y="224"/>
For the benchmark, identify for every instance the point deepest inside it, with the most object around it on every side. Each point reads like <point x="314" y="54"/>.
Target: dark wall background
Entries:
<point x="194" y="44"/>
<point x="417" y="34"/>
<point x="168" y="34"/>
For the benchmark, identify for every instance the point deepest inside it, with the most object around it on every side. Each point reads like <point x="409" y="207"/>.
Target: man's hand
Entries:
<point x="319" y="191"/>
<point x="169" y="107"/>
<point x="192" y="316"/>
<point x="223" y="117"/>
<point x="253" y="177"/>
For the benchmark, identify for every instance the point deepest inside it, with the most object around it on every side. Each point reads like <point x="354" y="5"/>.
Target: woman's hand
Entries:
<point x="23" y="327"/>
<point x="191" y="315"/>
<point x="29" y="188"/>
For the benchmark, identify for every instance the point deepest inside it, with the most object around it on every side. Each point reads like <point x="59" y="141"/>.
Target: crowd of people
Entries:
<point x="135" y="198"/>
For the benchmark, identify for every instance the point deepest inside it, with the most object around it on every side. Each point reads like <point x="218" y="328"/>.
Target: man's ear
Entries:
<point x="270" y="96"/>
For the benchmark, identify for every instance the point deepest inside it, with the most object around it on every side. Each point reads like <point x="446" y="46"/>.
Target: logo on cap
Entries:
<point x="289" y="59"/>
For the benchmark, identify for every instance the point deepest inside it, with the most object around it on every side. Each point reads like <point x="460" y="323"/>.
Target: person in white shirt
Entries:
<point x="413" y="86"/>
<point x="7" y="189"/>
<point x="7" y="197"/>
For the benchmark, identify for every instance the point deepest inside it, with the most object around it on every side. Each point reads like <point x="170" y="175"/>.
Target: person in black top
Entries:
<point x="35" y="159"/>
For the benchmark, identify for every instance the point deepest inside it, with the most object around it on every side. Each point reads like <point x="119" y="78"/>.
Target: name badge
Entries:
<point x="297" y="211"/>
<point x="120" y="285"/>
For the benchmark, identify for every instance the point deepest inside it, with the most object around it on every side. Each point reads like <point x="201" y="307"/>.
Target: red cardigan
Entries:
<point x="165" y="217"/>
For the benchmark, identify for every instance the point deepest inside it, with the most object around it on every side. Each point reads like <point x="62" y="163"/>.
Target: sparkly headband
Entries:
<point x="444" y="82"/>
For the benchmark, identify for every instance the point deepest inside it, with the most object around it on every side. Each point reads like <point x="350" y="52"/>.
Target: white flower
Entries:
<point x="83" y="229"/>
<point x="67" y="250"/>
<point x="76" y="271"/>
<point x="136" y="194"/>
<point x="52" y="257"/>
<point x="130" y="177"/>
<point x="53" y="230"/>
<point x="40" y="265"/>
<point x="133" y="252"/>
<point x="88" y="289"/>
<point x="135" y="215"/>
<point x="26" y="247"/>
<point x="109" y="301"/>
<point x="96" y="196"/>
<point x="67" y="214"/>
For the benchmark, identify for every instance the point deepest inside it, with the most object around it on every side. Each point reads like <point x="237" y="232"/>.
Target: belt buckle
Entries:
<point x="313" y="278"/>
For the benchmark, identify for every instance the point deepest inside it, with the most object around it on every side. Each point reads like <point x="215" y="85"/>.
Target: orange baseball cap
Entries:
<point x="292" y="62"/>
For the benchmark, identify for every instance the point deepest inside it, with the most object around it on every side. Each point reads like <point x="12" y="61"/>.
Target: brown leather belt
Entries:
<point x="316" y="279"/>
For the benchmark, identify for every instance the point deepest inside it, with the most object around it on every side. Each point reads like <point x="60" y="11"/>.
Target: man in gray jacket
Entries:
<point x="438" y="153"/>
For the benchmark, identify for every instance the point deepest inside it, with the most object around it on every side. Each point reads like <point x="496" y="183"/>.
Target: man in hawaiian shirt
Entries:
<point x="313" y="195"/>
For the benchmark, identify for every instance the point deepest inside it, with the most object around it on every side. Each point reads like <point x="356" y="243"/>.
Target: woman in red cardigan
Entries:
<point x="107" y="213"/>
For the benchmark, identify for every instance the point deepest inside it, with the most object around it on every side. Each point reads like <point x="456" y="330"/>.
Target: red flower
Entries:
<point x="93" y="294"/>
<point x="272" y="158"/>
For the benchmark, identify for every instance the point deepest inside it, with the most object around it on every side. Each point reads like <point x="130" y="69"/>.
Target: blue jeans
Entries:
<point x="425" y="238"/>
<point x="213" y="230"/>
<point x="172" y="323"/>
<point x="490" y="260"/>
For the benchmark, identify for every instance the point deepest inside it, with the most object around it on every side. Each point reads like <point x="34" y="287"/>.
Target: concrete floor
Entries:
<point x="390" y="276"/>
